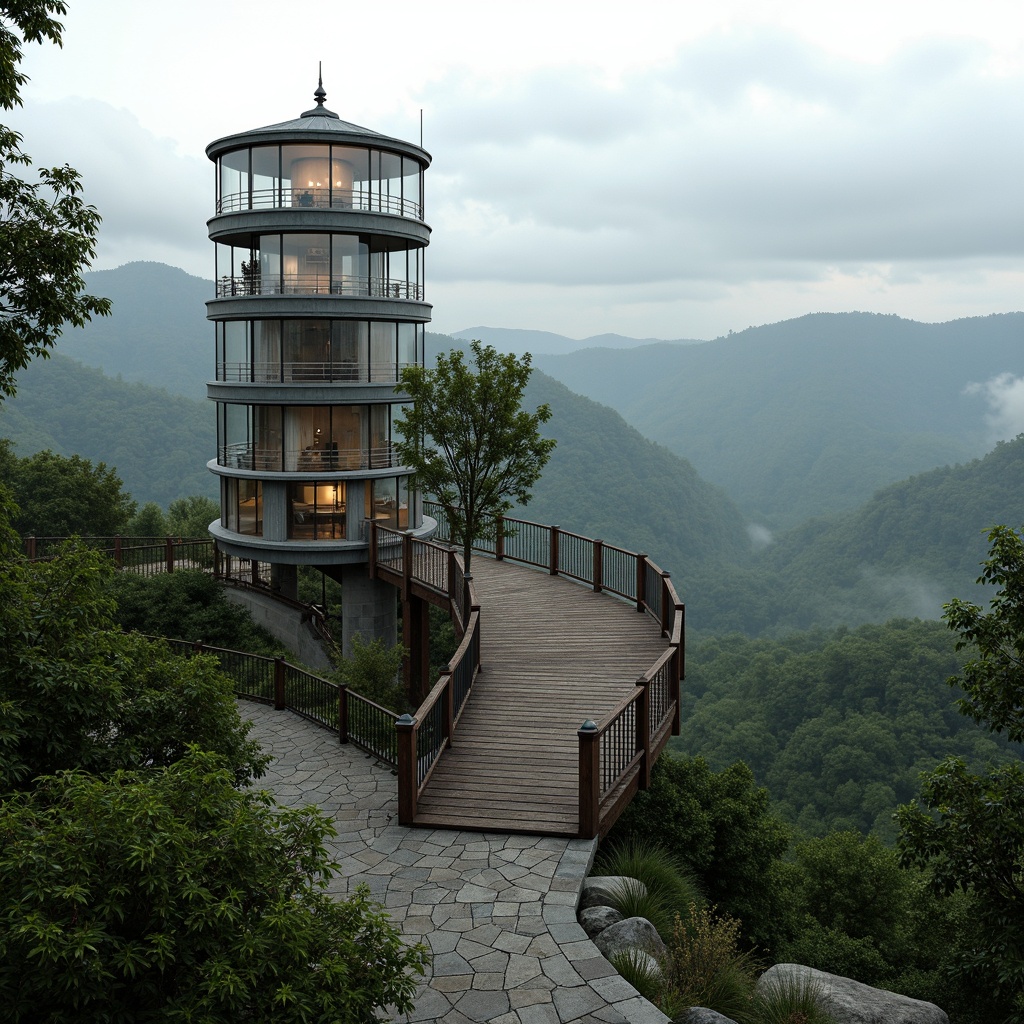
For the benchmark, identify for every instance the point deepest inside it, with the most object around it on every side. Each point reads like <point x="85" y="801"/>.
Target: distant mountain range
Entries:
<point x="506" y="339"/>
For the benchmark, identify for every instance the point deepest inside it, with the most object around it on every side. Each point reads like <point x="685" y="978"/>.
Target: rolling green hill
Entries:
<point x="809" y="416"/>
<point x="159" y="442"/>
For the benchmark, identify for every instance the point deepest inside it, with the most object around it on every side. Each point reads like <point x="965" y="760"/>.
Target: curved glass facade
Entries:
<point x="312" y="175"/>
<point x="320" y="263"/>
<point x="316" y="351"/>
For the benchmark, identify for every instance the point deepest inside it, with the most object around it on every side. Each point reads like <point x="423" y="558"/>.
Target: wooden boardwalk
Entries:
<point x="554" y="654"/>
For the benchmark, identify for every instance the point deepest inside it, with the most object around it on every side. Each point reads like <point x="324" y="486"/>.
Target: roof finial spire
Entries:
<point x="320" y="95"/>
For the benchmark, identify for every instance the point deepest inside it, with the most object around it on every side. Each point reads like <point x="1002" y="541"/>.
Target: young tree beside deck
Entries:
<point x="468" y="439"/>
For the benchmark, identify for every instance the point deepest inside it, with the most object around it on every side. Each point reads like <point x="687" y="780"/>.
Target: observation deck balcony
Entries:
<point x="320" y="284"/>
<point x="319" y="198"/>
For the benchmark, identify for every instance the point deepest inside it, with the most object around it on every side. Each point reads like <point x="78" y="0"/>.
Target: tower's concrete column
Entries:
<point x="368" y="607"/>
<point x="284" y="580"/>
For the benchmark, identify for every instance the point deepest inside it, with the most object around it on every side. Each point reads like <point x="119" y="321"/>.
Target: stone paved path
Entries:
<point x="498" y="911"/>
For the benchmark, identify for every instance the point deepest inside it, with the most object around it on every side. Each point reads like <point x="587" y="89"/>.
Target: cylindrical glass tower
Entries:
<point x="319" y="304"/>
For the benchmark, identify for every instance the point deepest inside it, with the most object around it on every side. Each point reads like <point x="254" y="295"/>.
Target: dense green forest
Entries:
<point x="838" y="725"/>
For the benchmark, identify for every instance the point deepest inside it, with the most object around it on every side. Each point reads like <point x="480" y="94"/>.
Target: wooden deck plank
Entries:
<point x="553" y="654"/>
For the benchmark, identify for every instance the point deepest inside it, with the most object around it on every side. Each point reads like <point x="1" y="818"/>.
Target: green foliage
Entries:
<point x="149" y="521"/>
<point x="790" y="1001"/>
<point x="668" y="884"/>
<point x="468" y="439"/>
<point x="47" y="233"/>
<point x="172" y="896"/>
<point x="720" y="825"/>
<point x="838" y="725"/>
<point x="641" y="970"/>
<point x="187" y="604"/>
<point x="969" y="833"/>
<point x="374" y="671"/>
<point x="59" y="496"/>
<point x="159" y="442"/>
<point x="706" y="966"/>
<point x="191" y="516"/>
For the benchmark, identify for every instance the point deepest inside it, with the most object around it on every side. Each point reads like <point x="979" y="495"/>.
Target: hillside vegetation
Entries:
<point x="809" y="416"/>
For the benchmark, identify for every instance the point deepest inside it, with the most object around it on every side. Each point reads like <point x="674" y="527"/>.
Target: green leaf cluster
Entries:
<point x="469" y="441"/>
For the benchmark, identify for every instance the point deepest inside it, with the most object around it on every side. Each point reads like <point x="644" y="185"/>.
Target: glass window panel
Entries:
<point x="270" y="264"/>
<point x="266" y="347"/>
<point x="348" y="430"/>
<point x="250" y="507"/>
<point x="316" y="511"/>
<point x="412" y="199"/>
<point x="403" y="503"/>
<point x="383" y="501"/>
<point x="350" y="168"/>
<point x="374" y="179"/>
<point x="306" y="349"/>
<point x="306" y="263"/>
<point x="382" y="351"/>
<point x="406" y="346"/>
<point x="380" y="445"/>
<point x="234" y="359"/>
<point x="350" y="350"/>
<point x="391" y="182"/>
<point x="306" y="175"/>
<point x="265" y="176"/>
<point x="229" y="503"/>
<point x="267" y="438"/>
<point x="349" y="266"/>
<point x="234" y="181"/>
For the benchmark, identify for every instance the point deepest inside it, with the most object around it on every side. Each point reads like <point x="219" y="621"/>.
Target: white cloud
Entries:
<point x="1005" y="397"/>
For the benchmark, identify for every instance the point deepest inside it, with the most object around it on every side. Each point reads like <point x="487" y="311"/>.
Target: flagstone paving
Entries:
<point x="497" y="911"/>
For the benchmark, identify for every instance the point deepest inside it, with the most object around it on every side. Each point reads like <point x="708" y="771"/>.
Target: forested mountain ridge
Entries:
<point x="812" y="415"/>
<point x="158" y="442"/>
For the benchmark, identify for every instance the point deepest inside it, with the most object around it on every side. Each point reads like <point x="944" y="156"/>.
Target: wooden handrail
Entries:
<point x="638" y="580"/>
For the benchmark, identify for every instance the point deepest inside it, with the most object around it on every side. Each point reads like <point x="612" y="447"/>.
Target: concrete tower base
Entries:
<point x="368" y="607"/>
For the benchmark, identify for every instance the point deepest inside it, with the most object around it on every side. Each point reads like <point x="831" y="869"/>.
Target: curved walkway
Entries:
<point x="498" y="911"/>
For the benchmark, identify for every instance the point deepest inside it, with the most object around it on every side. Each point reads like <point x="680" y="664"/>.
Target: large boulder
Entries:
<point x="633" y="933"/>
<point x="595" y="919"/>
<point x="702" y="1015"/>
<point x="852" y="1002"/>
<point x="600" y="890"/>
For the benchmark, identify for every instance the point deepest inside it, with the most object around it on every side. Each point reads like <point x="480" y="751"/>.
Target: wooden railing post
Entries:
<point x="117" y="551"/>
<point x="343" y="713"/>
<point x="30" y="547"/>
<point x="407" y="781"/>
<point x="218" y="562"/>
<point x="667" y="606"/>
<point x="598" y="565"/>
<point x="641" y="582"/>
<point x="590" y="780"/>
<point x="467" y="598"/>
<point x="279" y="695"/>
<point x="553" y="553"/>
<point x="452" y="567"/>
<point x="406" y="565"/>
<point x="448" y="711"/>
<point x="169" y="553"/>
<point x="499" y="539"/>
<point x="372" y="569"/>
<point x="643" y="731"/>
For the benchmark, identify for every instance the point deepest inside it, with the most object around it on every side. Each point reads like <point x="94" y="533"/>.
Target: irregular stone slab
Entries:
<point x="852" y="1002"/>
<point x="595" y="919"/>
<point x="702" y="1015"/>
<point x="600" y="891"/>
<point x="633" y="933"/>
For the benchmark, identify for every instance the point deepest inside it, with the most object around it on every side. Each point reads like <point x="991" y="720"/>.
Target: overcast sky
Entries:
<point x="671" y="170"/>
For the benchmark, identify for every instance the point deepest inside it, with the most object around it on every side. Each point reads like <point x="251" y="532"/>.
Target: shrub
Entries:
<point x="641" y="971"/>
<point x="790" y="1001"/>
<point x="707" y="967"/>
<point x="670" y="885"/>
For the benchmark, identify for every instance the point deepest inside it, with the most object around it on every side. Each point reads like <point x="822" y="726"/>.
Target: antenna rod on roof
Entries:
<point x="421" y="127"/>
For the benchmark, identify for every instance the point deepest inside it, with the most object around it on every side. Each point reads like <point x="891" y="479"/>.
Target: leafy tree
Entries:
<point x="720" y="825"/>
<point x="970" y="831"/>
<point x="187" y="604"/>
<point x="373" y="671"/>
<point x="59" y="496"/>
<point x="137" y="883"/>
<point x="191" y="516"/>
<point x="47" y="232"/>
<point x="468" y="439"/>
<point x="172" y="896"/>
<point x="149" y="521"/>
